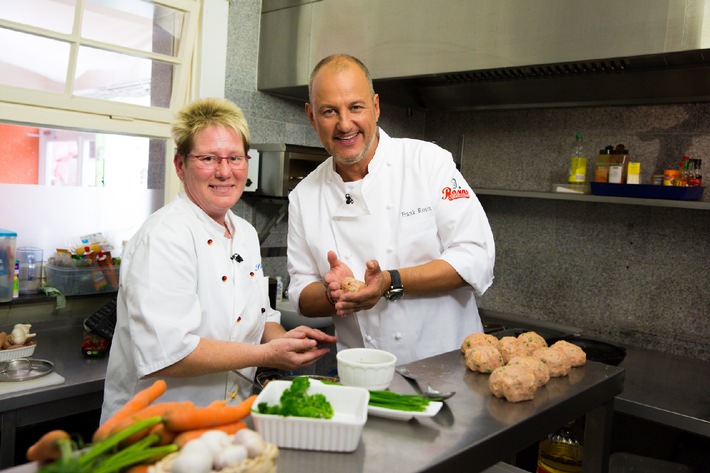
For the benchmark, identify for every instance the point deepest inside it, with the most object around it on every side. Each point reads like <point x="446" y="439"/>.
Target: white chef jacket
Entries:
<point x="182" y="279"/>
<point x="412" y="207"/>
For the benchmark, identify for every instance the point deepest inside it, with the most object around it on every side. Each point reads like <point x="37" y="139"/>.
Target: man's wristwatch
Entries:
<point x="396" y="290"/>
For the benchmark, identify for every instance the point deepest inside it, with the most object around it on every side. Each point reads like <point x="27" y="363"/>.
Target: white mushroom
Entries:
<point x="231" y="455"/>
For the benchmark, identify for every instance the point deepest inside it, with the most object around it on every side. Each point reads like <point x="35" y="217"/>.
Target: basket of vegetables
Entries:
<point x="146" y="436"/>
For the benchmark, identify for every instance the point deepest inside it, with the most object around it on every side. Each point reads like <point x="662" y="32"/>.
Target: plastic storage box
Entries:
<point x="78" y="281"/>
<point x="7" y="263"/>
<point x="339" y="434"/>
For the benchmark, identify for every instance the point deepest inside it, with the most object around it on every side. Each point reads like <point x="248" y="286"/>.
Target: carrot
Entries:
<point x="48" y="447"/>
<point x="218" y="403"/>
<point x="182" y="438"/>
<point x="158" y="409"/>
<point x="207" y="417"/>
<point x="140" y="400"/>
<point x="165" y="435"/>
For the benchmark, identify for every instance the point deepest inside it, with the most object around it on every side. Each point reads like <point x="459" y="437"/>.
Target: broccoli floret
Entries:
<point x="296" y="402"/>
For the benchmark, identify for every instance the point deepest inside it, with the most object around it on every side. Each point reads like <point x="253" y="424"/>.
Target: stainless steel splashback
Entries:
<point x="468" y="54"/>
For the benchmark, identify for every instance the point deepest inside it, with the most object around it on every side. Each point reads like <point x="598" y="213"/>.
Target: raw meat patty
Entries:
<point x="576" y="355"/>
<point x="483" y="358"/>
<point x="556" y="360"/>
<point x="532" y="341"/>
<point x="479" y="338"/>
<point x="536" y="365"/>
<point x="511" y="347"/>
<point x="514" y="382"/>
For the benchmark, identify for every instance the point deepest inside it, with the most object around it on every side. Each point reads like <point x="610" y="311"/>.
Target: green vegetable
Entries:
<point x="400" y="402"/>
<point x="296" y="402"/>
<point x="106" y="457"/>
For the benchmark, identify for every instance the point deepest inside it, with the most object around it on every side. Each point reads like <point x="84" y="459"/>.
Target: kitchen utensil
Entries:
<point x="235" y="390"/>
<point x="22" y="369"/>
<point x="250" y="381"/>
<point x="429" y="391"/>
<point x="265" y="377"/>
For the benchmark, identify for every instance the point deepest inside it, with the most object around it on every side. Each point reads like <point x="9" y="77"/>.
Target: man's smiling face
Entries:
<point x="344" y="112"/>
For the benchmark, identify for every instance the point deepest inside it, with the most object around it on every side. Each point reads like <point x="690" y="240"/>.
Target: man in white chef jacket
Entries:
<point x="395" y="213"/>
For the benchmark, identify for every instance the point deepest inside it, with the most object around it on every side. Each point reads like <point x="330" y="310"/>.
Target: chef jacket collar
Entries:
<point x="206" y="219"/>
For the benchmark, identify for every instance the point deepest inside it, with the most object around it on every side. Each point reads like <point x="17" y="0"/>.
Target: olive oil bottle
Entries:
<point x="562" y="451"/>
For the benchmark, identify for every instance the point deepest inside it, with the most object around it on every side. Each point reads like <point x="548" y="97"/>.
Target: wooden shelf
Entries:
<point x="682" y="204"/>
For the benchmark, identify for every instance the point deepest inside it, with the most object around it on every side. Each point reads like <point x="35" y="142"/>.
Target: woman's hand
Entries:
<point x="299" y="348"/>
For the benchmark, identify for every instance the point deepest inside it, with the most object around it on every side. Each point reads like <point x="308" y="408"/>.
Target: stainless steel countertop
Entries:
<point x="660" y="387"/>
<point x="474" y="430"/>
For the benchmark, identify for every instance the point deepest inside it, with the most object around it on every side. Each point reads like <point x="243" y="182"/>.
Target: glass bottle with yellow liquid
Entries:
<point x="563" y="451"/>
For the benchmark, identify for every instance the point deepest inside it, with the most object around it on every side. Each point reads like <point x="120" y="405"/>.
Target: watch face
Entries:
<point x="394" y="294"/>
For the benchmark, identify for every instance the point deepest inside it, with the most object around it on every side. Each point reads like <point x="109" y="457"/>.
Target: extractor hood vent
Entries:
<point x="455" y="55"/>
<point x="549" y="71"/>
<point x="652" y="79"/>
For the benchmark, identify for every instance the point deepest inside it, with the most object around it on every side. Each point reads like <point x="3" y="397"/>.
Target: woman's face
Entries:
<point x="214" y="190"/>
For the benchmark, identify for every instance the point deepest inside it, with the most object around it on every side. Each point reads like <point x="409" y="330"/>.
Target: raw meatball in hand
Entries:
<point x="349" y="284"/>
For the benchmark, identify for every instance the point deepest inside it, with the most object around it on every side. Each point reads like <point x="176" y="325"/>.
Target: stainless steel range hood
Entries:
<point x="480" y="54"/>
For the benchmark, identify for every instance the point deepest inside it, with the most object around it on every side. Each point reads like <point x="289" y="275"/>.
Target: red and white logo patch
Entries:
<point x="454" y="192"/>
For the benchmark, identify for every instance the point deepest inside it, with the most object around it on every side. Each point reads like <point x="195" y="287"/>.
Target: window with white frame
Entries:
<point x="90" y="86"/>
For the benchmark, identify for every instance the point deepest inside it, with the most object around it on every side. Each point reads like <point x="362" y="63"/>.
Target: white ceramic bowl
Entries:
<point x="366" y="368"/>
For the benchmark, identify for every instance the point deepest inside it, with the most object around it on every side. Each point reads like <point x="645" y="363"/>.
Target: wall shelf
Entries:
<point x="683" y="204"/>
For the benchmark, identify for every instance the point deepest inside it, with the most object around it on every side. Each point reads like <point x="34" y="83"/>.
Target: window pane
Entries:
<point x="133" y="24"/>
<point x="54" y="15"/>
<point x="122" y="78"/>
<point x="71" y="158"/>
<point x="33" y="62"/>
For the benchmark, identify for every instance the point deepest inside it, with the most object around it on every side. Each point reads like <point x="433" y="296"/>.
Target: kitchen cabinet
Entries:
<point x="682" y="204"/>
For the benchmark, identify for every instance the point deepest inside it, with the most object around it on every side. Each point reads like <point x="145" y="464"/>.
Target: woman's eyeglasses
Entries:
<point x="211" y="161"/>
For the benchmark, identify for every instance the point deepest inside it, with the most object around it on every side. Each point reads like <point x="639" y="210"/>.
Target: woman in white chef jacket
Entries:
<point x="393" y="212"/>
<point x="193" y="301"/>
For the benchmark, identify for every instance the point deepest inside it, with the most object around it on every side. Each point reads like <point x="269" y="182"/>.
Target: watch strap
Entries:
<point x="396" y="290"/>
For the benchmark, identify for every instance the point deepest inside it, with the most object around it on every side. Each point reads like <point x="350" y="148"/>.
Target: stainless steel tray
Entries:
<point x="23" y="369"/>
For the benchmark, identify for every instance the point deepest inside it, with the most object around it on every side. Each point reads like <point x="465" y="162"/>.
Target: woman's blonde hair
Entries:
<point x="202" y="113"/>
